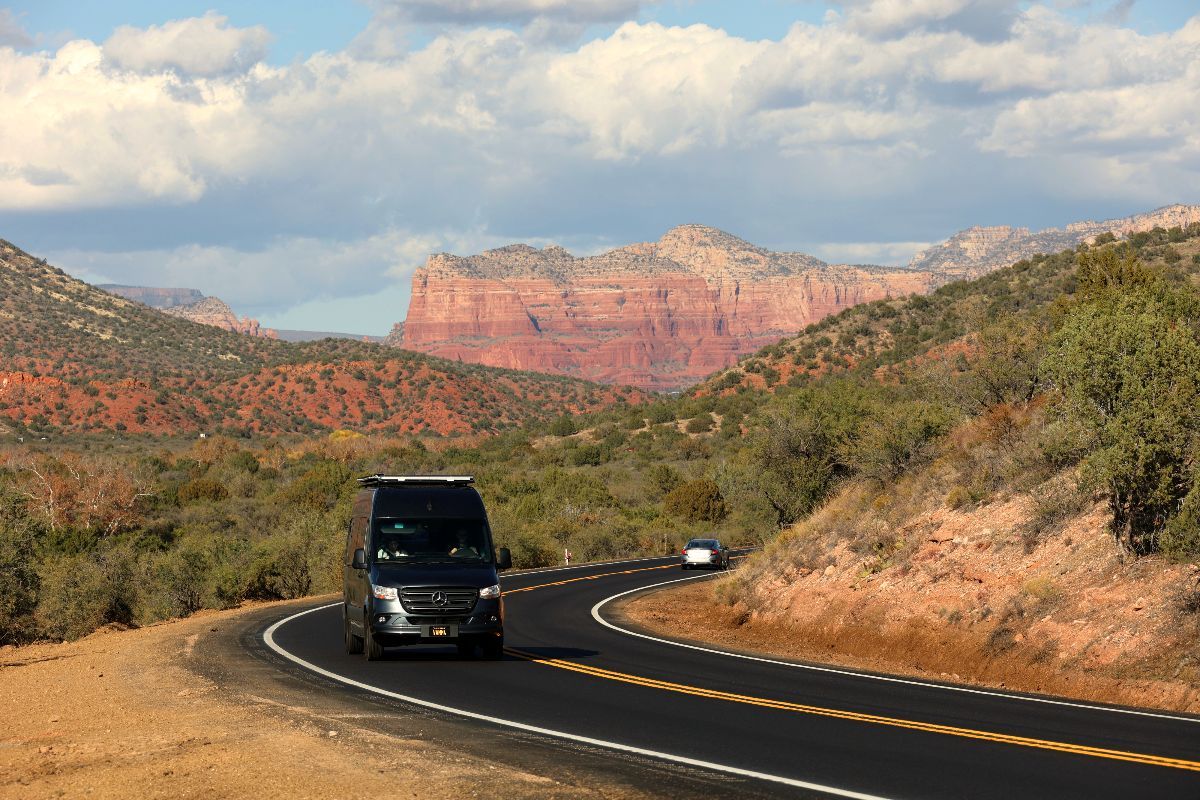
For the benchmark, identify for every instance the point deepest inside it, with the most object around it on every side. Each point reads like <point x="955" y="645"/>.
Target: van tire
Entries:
<point x="354" y="644"/>
<point x="493" y="648"/>
<point x="371" y="645"/>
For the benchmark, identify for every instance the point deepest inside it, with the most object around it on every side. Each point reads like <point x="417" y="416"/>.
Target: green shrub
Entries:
<point x="19" y="580"/>
<point x="1126" y="362"/>
<point x="700" y="424"/>
<point x="202" y="490"/>
<point x="1180" y="538"/>
<point x="532" y="549"/>
<point x="81" y="593"/>
<point x="696" y="501"/>
<point x="565" y="425"/>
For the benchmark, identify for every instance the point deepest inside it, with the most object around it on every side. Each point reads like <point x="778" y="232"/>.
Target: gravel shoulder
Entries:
<point x="197" y="708"/>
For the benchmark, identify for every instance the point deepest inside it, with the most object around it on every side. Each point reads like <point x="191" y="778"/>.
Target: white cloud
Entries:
<point x="12" y="33"/>
<point x="205" y="45"/>
<point x="887" y="253"/>
<point x="981" y="19"/>
<point x="892" y="113"/>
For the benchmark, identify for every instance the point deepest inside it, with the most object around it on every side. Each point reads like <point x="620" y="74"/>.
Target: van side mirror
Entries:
<point x="503" y="558"/>
<point x="360" y="559"/>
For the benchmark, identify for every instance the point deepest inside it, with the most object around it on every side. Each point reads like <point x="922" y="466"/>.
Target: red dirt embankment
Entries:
<point x="964" y="597"/>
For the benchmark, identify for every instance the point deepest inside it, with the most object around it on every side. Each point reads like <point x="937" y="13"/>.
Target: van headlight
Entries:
<point x="490" y="592"/>
<point x="384" y="592"/>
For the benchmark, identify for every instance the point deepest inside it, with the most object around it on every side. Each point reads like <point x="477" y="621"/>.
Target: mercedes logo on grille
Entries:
<point x="440" y="599"/>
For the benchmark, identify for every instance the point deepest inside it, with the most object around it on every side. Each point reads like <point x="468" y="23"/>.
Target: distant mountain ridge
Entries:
<point x="191" y="304"/>
<point x="979" y="250"/>
<point x="154" y="296"/>
<point x="658" y="315"/>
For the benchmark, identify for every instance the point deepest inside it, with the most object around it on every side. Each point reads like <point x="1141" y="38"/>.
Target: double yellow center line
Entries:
<point x="820" y="711"/>
<point x="588" y="578"/>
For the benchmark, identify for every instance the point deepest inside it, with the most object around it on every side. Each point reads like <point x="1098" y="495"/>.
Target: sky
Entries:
<point x="300" y="160"/>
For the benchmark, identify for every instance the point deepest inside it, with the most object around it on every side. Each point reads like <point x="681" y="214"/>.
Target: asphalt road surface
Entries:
<point x="787" y="728"/>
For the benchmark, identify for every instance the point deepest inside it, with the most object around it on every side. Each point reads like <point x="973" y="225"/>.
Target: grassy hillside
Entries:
<point x="74" y="358"/>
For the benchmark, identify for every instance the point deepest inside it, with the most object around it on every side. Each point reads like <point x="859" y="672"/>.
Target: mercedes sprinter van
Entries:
<point x="420" y="567"/>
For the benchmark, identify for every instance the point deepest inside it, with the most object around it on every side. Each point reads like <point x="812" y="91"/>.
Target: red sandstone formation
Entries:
<point x="659" y="315"/>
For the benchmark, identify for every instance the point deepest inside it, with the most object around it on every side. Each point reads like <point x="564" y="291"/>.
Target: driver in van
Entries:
<point x="462" y="546"/>
<point x="391" y="549"/>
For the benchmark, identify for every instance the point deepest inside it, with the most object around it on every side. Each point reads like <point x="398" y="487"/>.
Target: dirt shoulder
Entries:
<point x="920" y="649"/>
<point x="190" y="709"/>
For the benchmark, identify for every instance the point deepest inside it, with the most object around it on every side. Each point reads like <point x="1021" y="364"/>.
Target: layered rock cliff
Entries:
<point x="154" y="296"/>
<point x="191" y="304"/>
<point x="214" y="311"/>
<point x="658" y="315"/>
<point x="979" y="250"/>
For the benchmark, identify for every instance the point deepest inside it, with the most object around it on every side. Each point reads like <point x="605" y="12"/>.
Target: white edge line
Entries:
<point x="269" y="640"/>
<point x="866" y="675"/>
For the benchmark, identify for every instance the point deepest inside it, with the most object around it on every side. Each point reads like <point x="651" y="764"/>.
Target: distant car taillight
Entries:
<point x="715" y="552"/>
<point x="683" y="552"/>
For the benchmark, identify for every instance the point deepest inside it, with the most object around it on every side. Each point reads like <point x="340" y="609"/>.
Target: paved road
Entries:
<point x="792" y="730"/>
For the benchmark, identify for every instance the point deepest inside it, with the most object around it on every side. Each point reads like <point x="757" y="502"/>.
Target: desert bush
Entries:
<point x="1126" y="364"/>
<point x="19" y="581"/>
<point x="696" y="501"/>
<point x="702" y="423"/>
<point x="1042" y="589"/>
<point x="82" y="592"/>
<point x="565" y="425"/>
<point x="531" y="549"/>
<point x="321" y="487"/>
<point x="1180" y="538"/>
<point x="202" y="490"/>
<point x="306" y="555"/>
<point x="661" y="479"/>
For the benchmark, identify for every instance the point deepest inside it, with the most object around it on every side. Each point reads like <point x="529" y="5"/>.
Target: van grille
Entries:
<point x="458" y="600"/>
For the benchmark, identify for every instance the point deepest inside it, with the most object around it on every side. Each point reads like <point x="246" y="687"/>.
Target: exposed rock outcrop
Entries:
<point x="657" y="315"/>
<point x="193" y="305"/>
<point x="214" y="311"/>
<point x="979" y="250"/>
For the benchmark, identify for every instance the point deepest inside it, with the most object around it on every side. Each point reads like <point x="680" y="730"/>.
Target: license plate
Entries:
<point x="441" y="631"/>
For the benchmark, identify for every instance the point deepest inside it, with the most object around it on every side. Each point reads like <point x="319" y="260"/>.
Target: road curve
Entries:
<point x="793" y="729"/>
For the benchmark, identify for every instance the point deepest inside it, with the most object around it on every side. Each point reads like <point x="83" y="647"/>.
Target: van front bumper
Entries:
<point x="392" y="625"/>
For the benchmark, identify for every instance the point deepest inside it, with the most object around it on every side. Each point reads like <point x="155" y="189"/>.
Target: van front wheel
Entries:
<point x="371" y="645"/>
<point x="354" y="644"/>
<point x="493" y="648"/>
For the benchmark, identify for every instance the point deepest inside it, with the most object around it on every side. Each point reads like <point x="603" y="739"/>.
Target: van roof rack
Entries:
<point x="416" y="480"/>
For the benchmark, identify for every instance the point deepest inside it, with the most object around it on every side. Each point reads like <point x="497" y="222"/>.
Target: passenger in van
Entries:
<point x="462" y="546"/>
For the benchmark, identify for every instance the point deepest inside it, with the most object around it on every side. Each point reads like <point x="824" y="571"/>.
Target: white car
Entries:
<point x="706" y="553"/>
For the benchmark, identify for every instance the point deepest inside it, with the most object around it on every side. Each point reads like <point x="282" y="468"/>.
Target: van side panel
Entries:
<point x="354" y="581"/>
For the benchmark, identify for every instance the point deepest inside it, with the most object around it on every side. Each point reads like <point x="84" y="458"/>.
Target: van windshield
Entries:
<point x="431" y="540"/>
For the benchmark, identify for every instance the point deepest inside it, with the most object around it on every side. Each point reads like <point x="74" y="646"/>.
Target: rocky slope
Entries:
<point x="657" y="315"/>
<point x="979" y="250"/>
<point x="194" y="305"/>
<point x="75" y="358"/>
